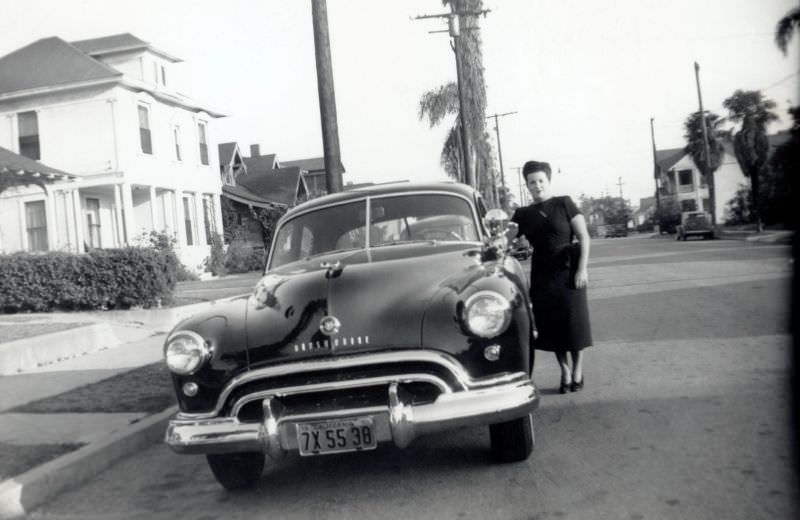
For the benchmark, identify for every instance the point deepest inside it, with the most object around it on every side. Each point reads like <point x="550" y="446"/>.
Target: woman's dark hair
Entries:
<point x="536" y="166"/>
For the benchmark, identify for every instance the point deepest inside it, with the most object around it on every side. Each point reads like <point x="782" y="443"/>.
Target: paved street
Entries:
<point x="685" y="414"/>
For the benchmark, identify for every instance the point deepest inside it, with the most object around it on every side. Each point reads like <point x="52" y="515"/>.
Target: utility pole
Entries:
<point x="656" y="168"/>
<point x="327" y="97"/>
<point x="707" y="162"/>
<point x="520" y="185"/>
<point x="454" y="30"/>
<point x="500" y="153"/>
<point x="620" y="183"/>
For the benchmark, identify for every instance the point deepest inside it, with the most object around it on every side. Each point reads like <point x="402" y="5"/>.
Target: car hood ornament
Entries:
<point x="329" y="325"/>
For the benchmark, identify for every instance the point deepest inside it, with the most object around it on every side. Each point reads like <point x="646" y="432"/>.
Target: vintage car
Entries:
<point x="694" y="224"/>
<point x="384" y="313"/>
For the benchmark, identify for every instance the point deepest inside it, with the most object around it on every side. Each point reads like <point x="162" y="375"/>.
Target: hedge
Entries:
<point x="100" y="279"/>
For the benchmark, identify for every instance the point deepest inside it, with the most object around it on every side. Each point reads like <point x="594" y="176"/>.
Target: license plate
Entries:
<point x="336" y="436"/>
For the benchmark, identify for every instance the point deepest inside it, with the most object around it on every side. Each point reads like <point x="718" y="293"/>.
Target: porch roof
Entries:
<point x="28" y="169"/>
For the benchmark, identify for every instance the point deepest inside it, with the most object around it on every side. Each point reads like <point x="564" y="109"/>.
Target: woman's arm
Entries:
<point x="578" y="224"/>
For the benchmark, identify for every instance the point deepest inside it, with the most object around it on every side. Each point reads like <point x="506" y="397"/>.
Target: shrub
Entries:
<point x="100" y="279"/>
<point x="243" y="259"/>
<point x="215" y="262"/>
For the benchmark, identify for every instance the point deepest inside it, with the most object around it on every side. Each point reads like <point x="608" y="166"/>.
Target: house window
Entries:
<point x="28" y="135"/>
<point x="208" y="218"/>
<point x="176" y="132"/>
<point x="92" y="210"/>
<point x="163" y="76"/>
<point x="144" y="130"/>
<point x="202" y="138"/>
<point x="36" y="225"/>
<point x="685" y="181"/>
<point x="187" y="220"/>
<point x="688" y="205"/>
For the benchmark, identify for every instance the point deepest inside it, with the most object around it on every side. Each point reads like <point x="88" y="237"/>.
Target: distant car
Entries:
<point x="384" y="313"/>
<point x="616" y="231"/>
<point x="694" y="223"/>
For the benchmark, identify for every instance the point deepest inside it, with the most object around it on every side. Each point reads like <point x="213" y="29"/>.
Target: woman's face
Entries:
<point x="538" y="185"/>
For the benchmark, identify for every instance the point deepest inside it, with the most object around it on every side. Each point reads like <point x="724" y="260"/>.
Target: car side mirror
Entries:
<point x="495" y="221"/>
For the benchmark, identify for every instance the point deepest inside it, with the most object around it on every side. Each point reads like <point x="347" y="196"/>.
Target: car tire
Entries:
<point x="512" y="441"/>
<point x="236" y="470"/>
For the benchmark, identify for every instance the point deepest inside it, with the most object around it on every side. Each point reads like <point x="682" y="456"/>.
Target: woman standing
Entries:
<point x="558" y="272"/>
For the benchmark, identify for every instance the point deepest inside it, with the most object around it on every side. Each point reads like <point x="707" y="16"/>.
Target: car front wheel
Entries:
<point x="512" y="441"/>
<point x="236" y="470"/>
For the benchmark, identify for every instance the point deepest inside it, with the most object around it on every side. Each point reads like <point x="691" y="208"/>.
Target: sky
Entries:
<point x="584" y="78"/>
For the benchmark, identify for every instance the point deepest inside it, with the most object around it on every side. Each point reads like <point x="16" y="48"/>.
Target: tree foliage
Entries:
<point x="438" y="103"/>
<point x="780" y="186"/>
<point x="786" y="27"/>
<point x="695" y="147"/>
<point x="750" y="144"/>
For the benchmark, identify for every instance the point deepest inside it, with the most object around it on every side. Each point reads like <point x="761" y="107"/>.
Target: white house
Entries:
<point x="140" y="156"/>
<point x="681" y="179"/>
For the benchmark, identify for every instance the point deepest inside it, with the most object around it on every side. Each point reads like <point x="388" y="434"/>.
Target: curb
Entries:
<point x="20" y="494"/>
<point x="28" y="353"/>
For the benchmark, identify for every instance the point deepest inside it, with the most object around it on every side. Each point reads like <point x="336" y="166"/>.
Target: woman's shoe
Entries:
<point x="564" y="388"/>
<point x="577" y="386"/>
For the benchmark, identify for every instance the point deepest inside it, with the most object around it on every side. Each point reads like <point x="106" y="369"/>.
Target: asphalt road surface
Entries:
<point x="685" y="415"/>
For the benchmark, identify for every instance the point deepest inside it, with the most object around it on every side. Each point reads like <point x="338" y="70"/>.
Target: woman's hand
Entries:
<point x="581" y="279"/>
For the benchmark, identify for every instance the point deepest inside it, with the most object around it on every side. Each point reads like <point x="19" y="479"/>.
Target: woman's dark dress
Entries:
<point x="560" y="310"/>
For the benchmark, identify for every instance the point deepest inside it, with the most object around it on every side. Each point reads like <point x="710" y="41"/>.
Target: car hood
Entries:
<point x="378" y="296"/>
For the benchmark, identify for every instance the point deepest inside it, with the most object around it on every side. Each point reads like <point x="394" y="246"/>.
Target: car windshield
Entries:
<point x="393" y="220"/>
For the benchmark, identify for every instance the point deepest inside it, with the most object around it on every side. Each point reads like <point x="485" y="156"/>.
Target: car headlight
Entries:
<point x="487" y="314"/>
<point x="186" y="351"/>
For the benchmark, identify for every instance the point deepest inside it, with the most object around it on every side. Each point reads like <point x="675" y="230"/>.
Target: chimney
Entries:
<point x="255" y="150"/>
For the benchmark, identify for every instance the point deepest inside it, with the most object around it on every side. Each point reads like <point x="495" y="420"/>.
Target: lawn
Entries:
<point x="145" y="389"/>
<point x="19" y="329"/>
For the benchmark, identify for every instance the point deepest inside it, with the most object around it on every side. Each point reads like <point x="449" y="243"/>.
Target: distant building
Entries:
<point x="140" y="156"/>
<point x="645" y="211"/>
<point x="681" y="181"/>
<point x="258" y="182"/>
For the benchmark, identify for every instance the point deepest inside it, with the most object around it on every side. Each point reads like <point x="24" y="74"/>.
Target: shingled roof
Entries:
<point x="280" y="185"/>
<point x="118" y="43"/>
<point x="50" y="62"/>
<point x="666" y="159"/>
<point x="11" y="162"/>
<point x="261" y="162"/>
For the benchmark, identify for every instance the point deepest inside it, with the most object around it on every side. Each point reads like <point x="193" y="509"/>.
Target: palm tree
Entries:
<point x="436" y="105"/>
<point x="442" y="101"/>
<point x="750" y="142"/>
<point x="695" y="147"/>
<point x="786" y="27"/>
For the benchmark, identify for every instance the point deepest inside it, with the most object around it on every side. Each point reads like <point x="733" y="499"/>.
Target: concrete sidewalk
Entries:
<point x="104" y="345"/>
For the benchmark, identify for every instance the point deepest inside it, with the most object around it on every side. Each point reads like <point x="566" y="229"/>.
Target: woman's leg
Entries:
<point x="566" y="379"/>
<point x="577" y="366"/>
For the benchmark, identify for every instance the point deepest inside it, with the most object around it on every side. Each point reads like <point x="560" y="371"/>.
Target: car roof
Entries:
<point x="394" y="188"/>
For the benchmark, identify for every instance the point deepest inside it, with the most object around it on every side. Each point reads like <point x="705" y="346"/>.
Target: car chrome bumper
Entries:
<point x="398" y="422"/>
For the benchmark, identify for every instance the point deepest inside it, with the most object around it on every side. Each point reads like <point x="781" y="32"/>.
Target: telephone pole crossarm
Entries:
<point x="482" y="12"/>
